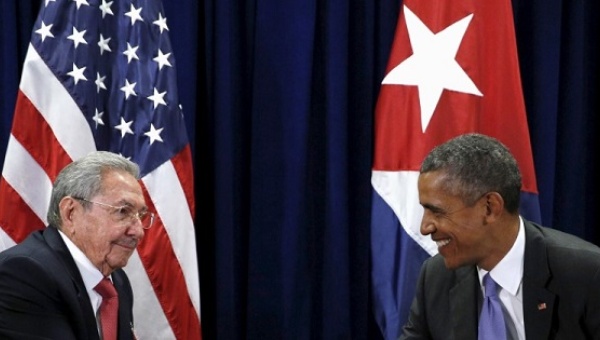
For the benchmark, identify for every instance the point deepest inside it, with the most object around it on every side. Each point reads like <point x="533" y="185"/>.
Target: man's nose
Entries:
<point x="427" y="225"/>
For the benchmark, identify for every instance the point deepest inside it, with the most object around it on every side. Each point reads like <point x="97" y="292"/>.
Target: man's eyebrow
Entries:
<point x="433" y="208"/>
<point x="124" y="202"/>
<point x="144" y="207"/>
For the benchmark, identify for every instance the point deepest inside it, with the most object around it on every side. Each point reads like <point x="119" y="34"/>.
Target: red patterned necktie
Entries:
<point x="109" y="309"/>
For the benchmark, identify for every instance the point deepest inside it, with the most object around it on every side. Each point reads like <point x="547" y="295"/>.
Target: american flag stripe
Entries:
<point x="28" y="181"/>
<point x="180" y="162"/>
<point x="165" y="271"/>
<point x="22" y="218"/>
<point x="147" y="309"/>
<point x="30" y="128"/>
<point x="57" y="107"/>
<point x="53" y="125"/>
<point x="173" y="262"/>
<point x="174" y="216"/>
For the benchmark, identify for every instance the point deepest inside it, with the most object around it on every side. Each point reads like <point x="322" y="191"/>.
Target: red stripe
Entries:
<point x="166" y="277"/>
<point x="33" y="132"/>
<point x="16" y="218"/>
<point x="181" y="163"/>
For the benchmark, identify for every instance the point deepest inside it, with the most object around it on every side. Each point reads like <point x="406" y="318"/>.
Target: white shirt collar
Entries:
<point x="508" y="273"/>
<point x="89" y="273"/>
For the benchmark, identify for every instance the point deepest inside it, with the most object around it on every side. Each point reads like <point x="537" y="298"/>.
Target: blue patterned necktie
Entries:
<point x="491" y="320"/>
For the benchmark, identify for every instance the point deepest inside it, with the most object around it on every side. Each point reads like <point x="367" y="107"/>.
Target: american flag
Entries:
<point x="100" y="75"/>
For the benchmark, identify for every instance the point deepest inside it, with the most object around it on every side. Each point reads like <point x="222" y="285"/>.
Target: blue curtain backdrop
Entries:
<point x="279" y="100"/>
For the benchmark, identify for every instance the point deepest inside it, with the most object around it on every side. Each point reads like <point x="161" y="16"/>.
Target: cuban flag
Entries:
<point x="453" y="69"/>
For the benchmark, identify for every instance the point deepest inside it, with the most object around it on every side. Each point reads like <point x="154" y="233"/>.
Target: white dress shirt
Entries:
<point x="508" y="274"/>
<point x="89" y="273"/>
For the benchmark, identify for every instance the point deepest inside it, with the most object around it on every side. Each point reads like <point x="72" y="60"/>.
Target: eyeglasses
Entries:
<point x="126" y="214"/>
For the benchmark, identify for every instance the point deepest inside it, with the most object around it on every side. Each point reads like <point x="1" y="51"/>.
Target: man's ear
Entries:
<point x="494" y="206"/>
<point x="68" y="210"/>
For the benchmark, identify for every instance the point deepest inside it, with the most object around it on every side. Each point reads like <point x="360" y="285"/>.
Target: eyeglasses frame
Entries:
<point x="137" y="215"/>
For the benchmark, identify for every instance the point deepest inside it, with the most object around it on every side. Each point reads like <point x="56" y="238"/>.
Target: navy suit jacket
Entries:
<point x="561" y="292"/>
<point x="42" y="295"/>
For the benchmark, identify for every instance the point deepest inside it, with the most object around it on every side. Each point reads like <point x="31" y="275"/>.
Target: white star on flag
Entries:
<point x="77" y="37"/>
<point x="124" y="127"/>
<point x="161" y="23"/>
<point x="100" y="82"/>
<point x="432" y="67"/>
<point x="105" y="8"/>
<point x="77" y="73"/>
<point x="154" y="134"/>
<point x="81" y="2"/>
<point x="158" y="98"/>
<point x="134" y="14"/>
<point x="131" y="53"/>
<point x="103" y="44"/>
<point x="162" y="59"/>
<point x="44" y="31"/>
<point x="98" y="118"/>
<point x="128" y="89"/>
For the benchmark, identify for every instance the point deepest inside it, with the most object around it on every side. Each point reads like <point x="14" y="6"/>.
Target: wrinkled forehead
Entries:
<point x="121" y="185"/>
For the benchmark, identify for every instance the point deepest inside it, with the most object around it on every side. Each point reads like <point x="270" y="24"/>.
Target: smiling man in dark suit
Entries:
<point x="49" y="283"/>
<point x="548" y="282"/>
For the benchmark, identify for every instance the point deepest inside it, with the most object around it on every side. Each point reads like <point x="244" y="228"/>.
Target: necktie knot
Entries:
<point x="106" y="289"/>
<point x="491" y="287"/>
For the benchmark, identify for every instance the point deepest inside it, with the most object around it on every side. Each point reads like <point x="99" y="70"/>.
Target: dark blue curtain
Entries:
<point x="279" y="100"/>
<point x="292" y="88"/>
<point x="16" y="22"/>
<point x="558" y="43"/>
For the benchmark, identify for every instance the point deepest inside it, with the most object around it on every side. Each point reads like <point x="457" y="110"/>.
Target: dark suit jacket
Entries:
<point x="42" y="295"/>
<point x="561" y="292"/>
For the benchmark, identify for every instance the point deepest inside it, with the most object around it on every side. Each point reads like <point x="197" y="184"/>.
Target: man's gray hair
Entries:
<point x="83" y="179"/>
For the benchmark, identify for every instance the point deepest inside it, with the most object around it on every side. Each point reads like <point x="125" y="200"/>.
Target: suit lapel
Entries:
<point x="53" y="239"/>
<point x="538" y="302"/>
<point x="464" y="305"/>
